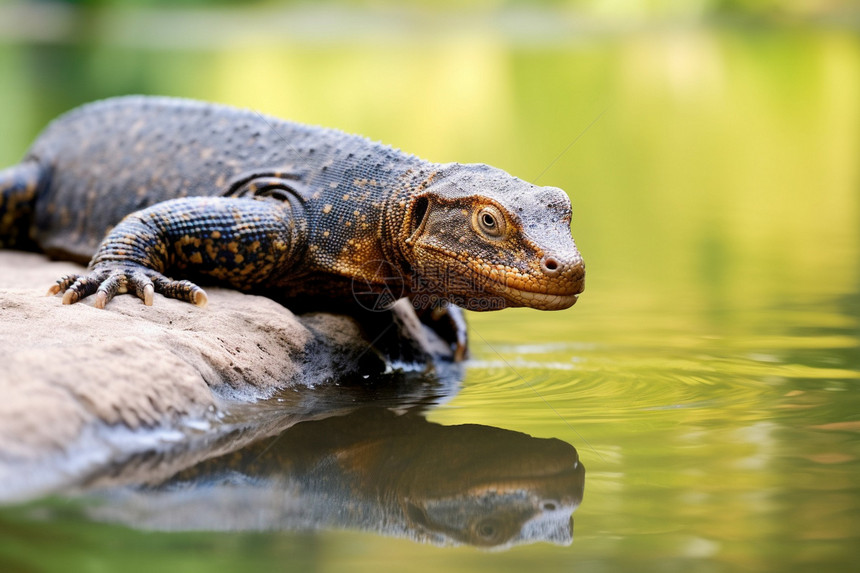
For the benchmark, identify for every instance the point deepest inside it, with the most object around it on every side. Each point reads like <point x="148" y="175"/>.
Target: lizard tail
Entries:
<point x="19" y="186"/>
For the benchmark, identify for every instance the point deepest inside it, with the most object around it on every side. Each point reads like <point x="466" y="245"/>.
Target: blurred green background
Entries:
<point x="721" y="120"/>
<point x="708" y="375"/>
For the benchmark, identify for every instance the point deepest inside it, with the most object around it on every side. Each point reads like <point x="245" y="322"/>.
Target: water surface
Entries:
<point x="707" y="379"/>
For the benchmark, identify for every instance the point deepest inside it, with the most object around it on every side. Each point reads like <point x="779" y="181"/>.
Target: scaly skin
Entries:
<point x="151" y="190"/>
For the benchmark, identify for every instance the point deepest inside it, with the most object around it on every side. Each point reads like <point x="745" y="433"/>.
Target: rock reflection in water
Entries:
<point x="374" y="470"/>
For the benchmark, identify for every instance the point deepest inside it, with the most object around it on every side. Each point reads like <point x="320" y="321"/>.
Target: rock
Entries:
<point x="83" y="388"/>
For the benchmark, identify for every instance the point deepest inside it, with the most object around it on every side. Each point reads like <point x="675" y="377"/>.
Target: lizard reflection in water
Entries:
<point x="377" y="471"/>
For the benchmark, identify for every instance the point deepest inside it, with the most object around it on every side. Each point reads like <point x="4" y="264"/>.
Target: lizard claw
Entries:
<point x="109" y="280"/>
<point x="200" y="298"/>
<point x="81" y="286"/>
<point x="62" y="284"/>
<point x="182" y="290"/>
<point x="101" y="300"/>
<point x="148" y="294"/>
<point x="70" y="297"/>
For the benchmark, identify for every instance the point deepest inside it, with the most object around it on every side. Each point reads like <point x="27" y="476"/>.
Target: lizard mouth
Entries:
<point x="538" y="300"/>
<point x="488" y="292"/>
<point x="566" y="295"/>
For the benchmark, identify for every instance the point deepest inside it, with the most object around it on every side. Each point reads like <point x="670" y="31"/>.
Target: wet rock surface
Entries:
<point x="85" y="388"/>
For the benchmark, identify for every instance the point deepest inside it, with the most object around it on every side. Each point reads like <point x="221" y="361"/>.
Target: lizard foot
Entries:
<point x="106" y="281"/>
<point x="448" y="322"/>
<point x="453" y="315"/>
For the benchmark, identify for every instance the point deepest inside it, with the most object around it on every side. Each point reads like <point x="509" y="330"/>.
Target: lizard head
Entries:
<point x="485" y="240"/>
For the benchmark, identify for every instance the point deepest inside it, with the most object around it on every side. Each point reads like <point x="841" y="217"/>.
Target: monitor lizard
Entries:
<point x="157" y="194"/>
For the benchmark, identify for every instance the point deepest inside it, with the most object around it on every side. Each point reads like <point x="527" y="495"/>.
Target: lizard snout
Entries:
<point x="554" y="265"/>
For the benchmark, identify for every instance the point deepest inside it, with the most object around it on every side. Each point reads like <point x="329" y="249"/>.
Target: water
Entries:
<point x="707" y="378"/>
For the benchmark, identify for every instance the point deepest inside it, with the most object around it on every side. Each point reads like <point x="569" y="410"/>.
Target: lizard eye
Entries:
<point x="490" y="222"/>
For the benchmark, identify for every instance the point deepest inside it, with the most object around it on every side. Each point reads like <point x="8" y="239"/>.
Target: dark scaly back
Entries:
<point x="114" y="157"/>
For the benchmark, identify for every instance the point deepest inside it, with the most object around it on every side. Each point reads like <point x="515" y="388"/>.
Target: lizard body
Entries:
<point x="146" y="188"/>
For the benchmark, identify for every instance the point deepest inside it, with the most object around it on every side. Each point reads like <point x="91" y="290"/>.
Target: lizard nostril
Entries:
<point x="549" y="265"/>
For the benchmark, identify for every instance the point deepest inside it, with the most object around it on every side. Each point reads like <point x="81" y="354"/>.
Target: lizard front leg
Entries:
<point x="242" y="243"/>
